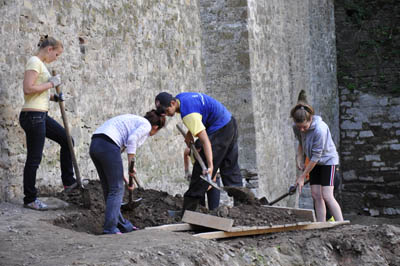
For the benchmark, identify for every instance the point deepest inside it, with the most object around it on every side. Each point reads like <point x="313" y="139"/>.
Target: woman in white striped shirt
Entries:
<point x="108" y="141"/>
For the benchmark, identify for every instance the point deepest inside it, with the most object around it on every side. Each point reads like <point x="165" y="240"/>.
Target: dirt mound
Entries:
<point x="257" y="215"/>
<point x="152" y="211"/>
<point x="154" y="207"/>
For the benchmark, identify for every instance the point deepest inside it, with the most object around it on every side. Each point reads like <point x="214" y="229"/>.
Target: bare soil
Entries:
<point x="71" y="236"/>
<point x="154" y="207"/>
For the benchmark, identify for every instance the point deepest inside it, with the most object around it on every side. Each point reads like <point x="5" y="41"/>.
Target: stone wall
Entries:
<point x="118" y="55"/>
<point x="258" y="56"/>
<point x="368" y="42"/>
<point x="292" y="48"/>
<point x="254" y="56"/>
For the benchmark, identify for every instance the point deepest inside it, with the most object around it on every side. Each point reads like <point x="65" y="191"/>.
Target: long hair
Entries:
<point x="155" y="119"/>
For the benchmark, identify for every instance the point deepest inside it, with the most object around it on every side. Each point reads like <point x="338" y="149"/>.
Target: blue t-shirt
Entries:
<point x="214" y="114"/>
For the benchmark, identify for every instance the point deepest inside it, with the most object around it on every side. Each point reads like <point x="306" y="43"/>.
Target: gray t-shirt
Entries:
<point x="317" y="142"/>
<point x="127" y="131"/>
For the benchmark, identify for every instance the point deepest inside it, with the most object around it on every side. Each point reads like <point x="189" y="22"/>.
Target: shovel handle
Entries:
<point x="194" y="150"/>
<point x="200" y="160"/>
<point x="131" y="167"/>
<point x="291" y="192"/>
<point x="69" y="138"/>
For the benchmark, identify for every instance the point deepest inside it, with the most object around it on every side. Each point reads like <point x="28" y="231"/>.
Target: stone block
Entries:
<point x="391" y="211"/>
<point x="366" y="178"/>
<point x="378" y="164"/>
<point x="346" y="104"/>
<point x="369" y="100"/>
<point x="374" y="212"/>
<point x="387" y="125"/>
<point x="351" y="134"/>
<point x="351" y="125"/>
<point x="366" y="134"/>
<point x="350" y="175"/>
<point x="373" y="157"/>
<point x="395" y="147"/>
<point x="389" y="168"/>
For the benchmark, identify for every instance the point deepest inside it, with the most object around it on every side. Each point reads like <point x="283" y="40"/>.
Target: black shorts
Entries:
<point x="323" y="175"/>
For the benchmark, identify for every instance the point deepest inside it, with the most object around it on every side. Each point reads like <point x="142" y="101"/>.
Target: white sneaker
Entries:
<point x="37" y="205"/>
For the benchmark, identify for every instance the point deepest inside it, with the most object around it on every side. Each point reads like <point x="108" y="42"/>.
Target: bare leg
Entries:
<point x="319" y="204"/>
<point x="333" y="205"/>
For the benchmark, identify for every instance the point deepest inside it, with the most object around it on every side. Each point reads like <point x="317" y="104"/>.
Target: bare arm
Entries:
<point x="130" y="158"/>
<point x="300" y="158"/>
<point x="302" y="177"/>
<point x="203" y="136"/>
<point x="30" y="78"/>
<point x="186" y="157"/>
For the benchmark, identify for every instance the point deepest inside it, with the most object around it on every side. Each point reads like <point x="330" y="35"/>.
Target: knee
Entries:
<point x="327" y="196"/>
<point x="64" y="142"/>
<point x="34" y="160"/>
<point x="316" y="195"/>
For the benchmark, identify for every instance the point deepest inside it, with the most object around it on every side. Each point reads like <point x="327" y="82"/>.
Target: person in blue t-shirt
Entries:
<point x="210" y="121"/>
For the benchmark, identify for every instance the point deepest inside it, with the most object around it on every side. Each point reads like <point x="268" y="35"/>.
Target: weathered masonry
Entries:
<point x="254" y="56"/>
<point x="368" y="44"/>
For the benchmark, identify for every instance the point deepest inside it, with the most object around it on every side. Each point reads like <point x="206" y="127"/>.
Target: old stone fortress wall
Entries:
<point x="253" y="56"/>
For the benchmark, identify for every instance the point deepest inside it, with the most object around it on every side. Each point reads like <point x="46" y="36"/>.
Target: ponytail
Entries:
<point x="46" y="40"/>
<point x="302" y="112"/>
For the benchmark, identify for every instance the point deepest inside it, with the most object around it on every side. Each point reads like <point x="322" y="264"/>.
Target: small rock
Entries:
<point x="226" y="257"/>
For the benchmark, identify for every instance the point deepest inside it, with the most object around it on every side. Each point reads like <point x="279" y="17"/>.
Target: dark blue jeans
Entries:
<point x="37" y="127"/>
<point x="106" y="156"/>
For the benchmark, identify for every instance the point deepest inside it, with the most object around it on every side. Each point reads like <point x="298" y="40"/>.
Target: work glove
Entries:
<point x="55" y="80"/>
<point x="59" y="97"/>
<point x="292" y="189"/>
<point x="188" y="176"/>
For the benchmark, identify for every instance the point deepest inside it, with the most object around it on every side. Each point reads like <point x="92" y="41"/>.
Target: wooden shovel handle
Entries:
<point x="69" y="138"/>
<point x="194" y="150"/>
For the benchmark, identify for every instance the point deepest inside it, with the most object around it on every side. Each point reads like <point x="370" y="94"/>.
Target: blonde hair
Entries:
<point x="46" y="41"/>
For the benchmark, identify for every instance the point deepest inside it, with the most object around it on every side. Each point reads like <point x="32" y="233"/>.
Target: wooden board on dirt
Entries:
<point x="206" y="220"/>
<point x="306" y="214"/>
<point x="258" y="230"/>
<point x="176" y="227"/>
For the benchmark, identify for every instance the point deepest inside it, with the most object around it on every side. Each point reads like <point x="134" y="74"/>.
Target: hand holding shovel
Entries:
<point x="131" y="204"/>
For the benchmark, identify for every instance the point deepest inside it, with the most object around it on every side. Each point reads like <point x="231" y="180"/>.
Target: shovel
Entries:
<point x="241" y="194"/>
<point x="206" y="178"/>
<point x="292" y="190"/>
<point x="131" y="204"/>
<point x="84" y="191"/>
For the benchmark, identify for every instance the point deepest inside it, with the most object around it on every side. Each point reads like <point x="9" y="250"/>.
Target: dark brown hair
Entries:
<point x="302" y="112"/>
<point x="46" y="40"/>
<point x="155" y="119"/>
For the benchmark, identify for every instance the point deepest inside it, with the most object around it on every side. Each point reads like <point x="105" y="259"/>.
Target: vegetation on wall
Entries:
<point x="368" y="43"/>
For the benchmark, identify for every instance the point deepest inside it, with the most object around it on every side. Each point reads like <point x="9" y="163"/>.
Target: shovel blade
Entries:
<point x="128" y="206"/>
<point x="209" y="181"/>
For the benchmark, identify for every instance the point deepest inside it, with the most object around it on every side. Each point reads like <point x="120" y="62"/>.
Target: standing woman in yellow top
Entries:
<point x="38" y="125"/>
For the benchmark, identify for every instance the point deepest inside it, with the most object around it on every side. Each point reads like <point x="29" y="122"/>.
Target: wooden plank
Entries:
<point x="270" y="229"/>
<point x="206" y="220"/>
<point x="307" y="214"/>
<point x="174" y="227"/>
